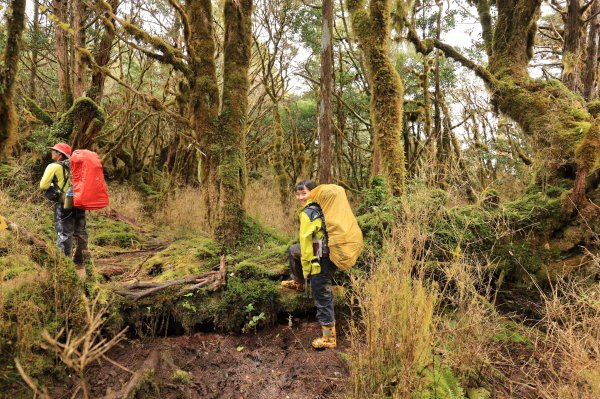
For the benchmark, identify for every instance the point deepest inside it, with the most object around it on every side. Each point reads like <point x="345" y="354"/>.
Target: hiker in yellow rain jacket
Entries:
<point x="309" y="261"/>
<point x="70" y="222"/>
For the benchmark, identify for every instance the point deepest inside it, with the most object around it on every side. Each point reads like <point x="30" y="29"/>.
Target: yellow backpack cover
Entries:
<point x="344" y="236"/>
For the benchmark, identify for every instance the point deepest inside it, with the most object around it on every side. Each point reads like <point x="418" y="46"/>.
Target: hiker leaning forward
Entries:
<point x="309" y="260"/>
<point x="69" y="223"/>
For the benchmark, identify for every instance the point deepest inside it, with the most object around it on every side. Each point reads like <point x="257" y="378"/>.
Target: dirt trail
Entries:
<point x="273" y="363"/>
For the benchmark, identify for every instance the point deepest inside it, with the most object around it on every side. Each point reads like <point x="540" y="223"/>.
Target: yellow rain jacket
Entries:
<point x="311" y="231"/>
<point x="54" y="170"/>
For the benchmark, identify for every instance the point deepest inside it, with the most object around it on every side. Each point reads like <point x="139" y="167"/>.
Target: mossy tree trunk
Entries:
<point x="79" y="73"/>
<point x="372" y="26"/>
<point x="591" y="62"/>
<point x="59" y="8"/>
<point x="232" y="164"/>
<point x="8" y="75"/>
<point x="283" y="180"/>
<point x="572" y="49"/>
<point x="96" y="91"/>
<point x="563" y="133"/>
<point x="204" y="98"/>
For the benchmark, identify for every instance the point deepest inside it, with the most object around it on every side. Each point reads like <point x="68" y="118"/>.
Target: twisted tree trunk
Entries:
<point x="565" y="137"/>
<point x="372" y="29"/>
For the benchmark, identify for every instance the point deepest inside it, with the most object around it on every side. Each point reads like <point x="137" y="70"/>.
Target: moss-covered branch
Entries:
<point x="37" y="111"/>
<point x="167" y="53"/>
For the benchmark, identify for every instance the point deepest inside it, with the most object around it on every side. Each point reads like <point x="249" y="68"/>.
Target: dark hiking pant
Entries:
<point x="320" y="284"/>
<point x="70" y="223"/>
<point x="296" y="264"/>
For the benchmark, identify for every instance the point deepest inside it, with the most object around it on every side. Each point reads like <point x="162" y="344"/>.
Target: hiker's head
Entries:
<point x="303" y="190"/>
<point x="60" y="151"/>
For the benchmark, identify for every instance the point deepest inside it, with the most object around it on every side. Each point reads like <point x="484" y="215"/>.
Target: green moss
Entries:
<point x="594" y="107"/>
<point x="38" y="112"/>
<point x="512" y="333"/>
<point x="35" y="298"/>
<point x="231" y="314"/>
<point x="106" y="232"/>
<point x="184" y="257"/>
<point x="182" y="377"/>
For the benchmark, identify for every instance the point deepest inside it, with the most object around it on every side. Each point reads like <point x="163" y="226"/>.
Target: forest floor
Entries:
<point x="277" y="362"/>
<point x="274" y="362"/>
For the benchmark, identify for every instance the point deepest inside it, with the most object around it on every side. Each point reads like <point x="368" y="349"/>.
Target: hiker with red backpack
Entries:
<point x="74" y="182"/>
<point x="69" y="221"/>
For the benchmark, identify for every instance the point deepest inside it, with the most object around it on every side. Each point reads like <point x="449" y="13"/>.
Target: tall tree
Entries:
<point x="326" y="89"/>
<point x="59" y="8"/>
<point x="8" y="75"/>
<point x="591" y="62"/>
<point x="372" y="27"/>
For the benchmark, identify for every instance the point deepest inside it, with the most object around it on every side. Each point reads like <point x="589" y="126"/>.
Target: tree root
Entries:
<point x="214" y="280"/>
<point x="149" y="365"/>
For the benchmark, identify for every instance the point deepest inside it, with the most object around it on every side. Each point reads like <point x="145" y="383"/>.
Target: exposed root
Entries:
<point x="150" y="365"/>
<point x="213" y="280"/>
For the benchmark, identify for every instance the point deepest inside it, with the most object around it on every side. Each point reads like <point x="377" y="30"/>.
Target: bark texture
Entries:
<point x="8" y="75"/>
<point x="60" y="10"/>
<point x="232" y="165"/>
<point x="325" y="109"/>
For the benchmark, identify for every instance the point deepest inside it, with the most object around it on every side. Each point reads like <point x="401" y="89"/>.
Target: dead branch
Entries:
<point x="23" y="235"/>
<point x="151" y="363"/>
<point x="79" y="350"/>
<point x="36" y="391"/>
<point x="142" y="289"/>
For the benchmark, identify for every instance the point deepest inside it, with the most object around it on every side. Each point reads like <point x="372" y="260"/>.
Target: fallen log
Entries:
<point x="142" y="289"/>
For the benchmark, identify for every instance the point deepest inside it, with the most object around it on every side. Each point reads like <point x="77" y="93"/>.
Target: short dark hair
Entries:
<point x="308" y="184"/>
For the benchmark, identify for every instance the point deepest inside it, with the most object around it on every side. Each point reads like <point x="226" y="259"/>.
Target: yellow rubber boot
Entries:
<point x="327" y="340"/>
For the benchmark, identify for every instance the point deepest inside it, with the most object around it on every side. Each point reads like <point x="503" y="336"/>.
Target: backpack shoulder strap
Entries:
<point x="66" y="175"/>
<point x="314" y="211"/>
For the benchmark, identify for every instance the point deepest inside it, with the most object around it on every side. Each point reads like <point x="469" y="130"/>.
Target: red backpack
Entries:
<point x="87" y="179"/>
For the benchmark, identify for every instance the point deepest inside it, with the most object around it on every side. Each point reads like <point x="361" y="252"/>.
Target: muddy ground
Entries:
<point x="274" y="363"/>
